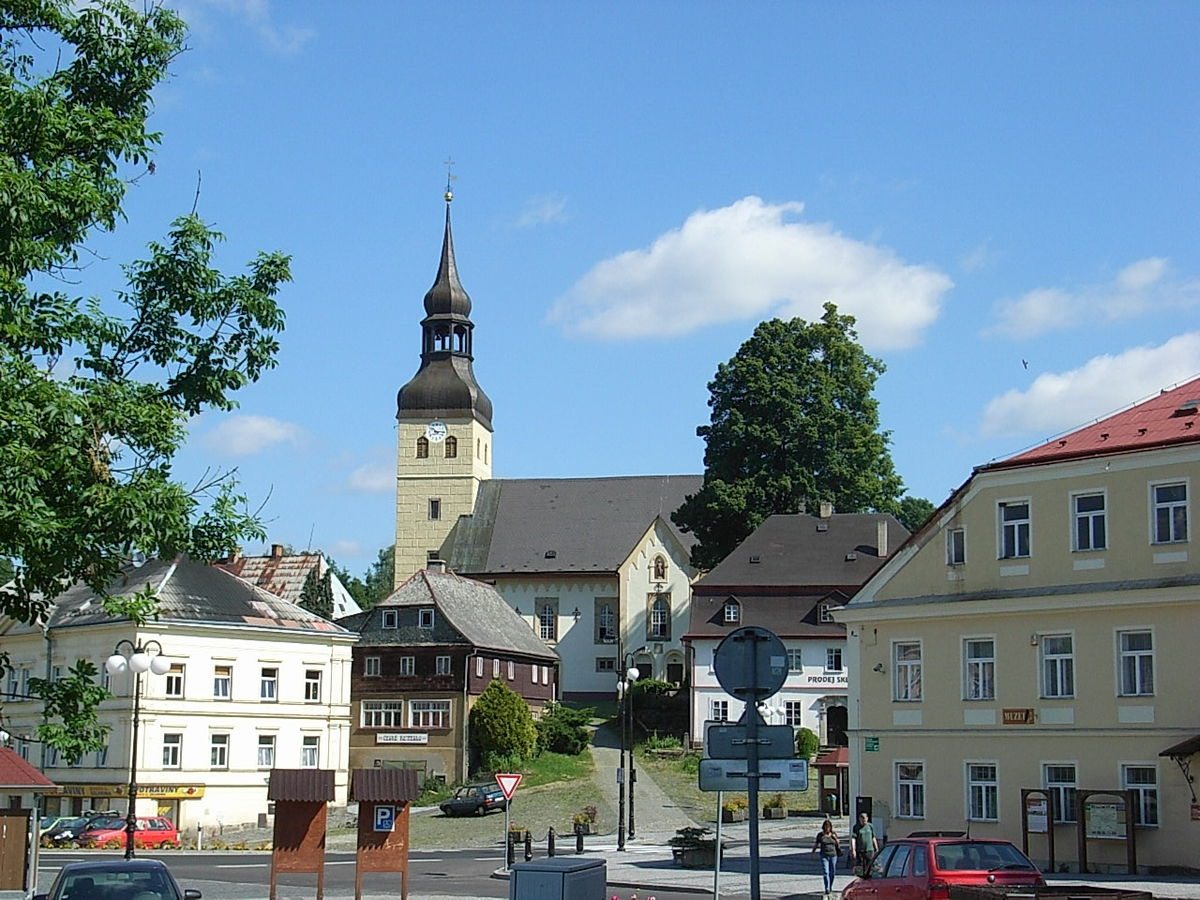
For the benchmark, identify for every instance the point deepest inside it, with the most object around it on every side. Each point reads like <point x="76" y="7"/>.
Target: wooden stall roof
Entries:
<point x="301" y="784"/>
<point x="384" y="785"/>
<point x="17" y="774"/>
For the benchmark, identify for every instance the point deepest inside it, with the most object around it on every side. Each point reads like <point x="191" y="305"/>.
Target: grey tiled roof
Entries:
<point x="566" y="525"/>
<point x="188" y="591"/>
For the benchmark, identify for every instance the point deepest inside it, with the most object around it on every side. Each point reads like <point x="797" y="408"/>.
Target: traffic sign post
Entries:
<point x="733" y="774"/>
<point x="507" y="782"/>
<point x="725" y="740"/>
<point x="385" y="818"/>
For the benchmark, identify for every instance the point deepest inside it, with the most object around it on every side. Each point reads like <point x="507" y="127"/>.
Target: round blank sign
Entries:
<point x="751" y="663"/>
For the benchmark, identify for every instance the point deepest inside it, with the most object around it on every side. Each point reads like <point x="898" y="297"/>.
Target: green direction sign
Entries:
<point x="871" y="744"/>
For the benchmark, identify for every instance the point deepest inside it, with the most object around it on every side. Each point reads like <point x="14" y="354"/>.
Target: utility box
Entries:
<point x="558" y="878"/>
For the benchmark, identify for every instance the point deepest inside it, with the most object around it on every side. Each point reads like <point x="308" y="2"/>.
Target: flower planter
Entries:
<point x="586" y="828"/>
<point x="775" y="812"/>
<point x="702" y="857"/>
<point x="733" y="815"/>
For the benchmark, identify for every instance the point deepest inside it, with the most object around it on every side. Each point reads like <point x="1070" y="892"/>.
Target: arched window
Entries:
<point x="422" y="447"/>
<point x="451" y="447"/>
<point x="547" y="616"/>
<point x="733" y="612"/>
<point x="606" y="630"/>
<point x="659" y="628"/>
<point x="660" y="568"/>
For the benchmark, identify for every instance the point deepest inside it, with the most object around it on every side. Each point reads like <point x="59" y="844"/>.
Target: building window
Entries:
<point x="910" y="790"/>
<point x="222" y="682"/>
<point x="956" y="546"/>
<point x="268" y="686"/>
<point x="435" y="508"/>
<point x="1143" y="781"/>
<point x="408" y="665"/>
<point x="390" y="619"/>
<point x="1058" y="665"/>
<point x="606" y="622"/>
<point x="478" y="666"/>
<point x="982" y="793"/>
<point x="429" y="714"/>
<point x="660" y="618"/>
<point x="422" y="447"/>
<point x="451" y="445"/>
<point x="495" y="668"/>
<point x="425" y="618"/>
<point x="14" y="683"/>
<point x="718" y="710"/>
<point x="547" y="618"/>
<point x="310" y="751"/>
<point x="173" y="684"/>
<point x="266" y="751"/>
<point x="1170" y="513"/>
<point x="172" y="750"/>
<point x="979" y="658"/>
<point x="733" y="612"/>
<point x="1136" y="650"/>
<point x="833" y="659"/>
<point x="825" y="613"/>
<point x="312" y="685"/>
<point x="1060" y="781"/>
<point x="218" y="755"/>
<point x="371" y="667"/>
<point x="793" y="713"/>
<point x="101" y="755"/>
<point x="606" y="664"/>
<point x="512" y="670"/>
<point x="795" y="660"/>
<point x="1014" y="530"/>
<point x="660" y="568"/>
<point x="51" y="757"/>
<point x="907" y="664"/>
<point x="442" y="665"/>
<point x="381" y="713"/>
<point x="1088" y="510"/>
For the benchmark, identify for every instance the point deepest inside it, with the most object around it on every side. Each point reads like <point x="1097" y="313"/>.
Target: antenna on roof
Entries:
<point x="310" y="537"/>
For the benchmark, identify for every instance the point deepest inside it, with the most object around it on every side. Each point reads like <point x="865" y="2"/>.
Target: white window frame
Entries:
<point x="825" y="613"/>
<point x="956" y="546"/>
<point x="1173" y="534"/>
<point x="1146" y="811"/>
<point x="312" y="685"/>
<point x="496" y="667"/>
<point x="606" y="664"/>
<point x="793" y="713"/>
<point x="1062" y="664"/>
<point x="1062" y="789"/>
<point x="425" y="617"/>
<point x="268" y="684"/>
<point x="266" y="760"/>
<point x="408" y="665"/>
<point x="429" y="714"/>
<point x="218" y="750"/>
<point x="983" y="793"/>
<point x="834" y="660"/>
<point x="795" y="660"/>
<point x="372" y="666"/>
<point x="907" y="672"/>
<point x="731" y="612"/>
<point x="1133" y="680"/>
<point x="606" y="618"/>
<point x="512" y="669"/>
<point x="658" y="623"/>
<point x="173" y="682"/>
<point x="172" y="750"/>
<point x="979" y="672"/>
<point x="1010" y="531"/>
<point x="442" y="665"/>
<point x="478" y="666"/>
<point x="390" y="618"/>
<point x="381" y="714"/>
<point x="1089" y="520"/>
<point x="547" y="618"/>
<point x="222" y="682"/>
<point x="910" y="788"/>
<point x="435" y="508"/>
<point x="310" y="751"/>
<point x="718" y="710"/>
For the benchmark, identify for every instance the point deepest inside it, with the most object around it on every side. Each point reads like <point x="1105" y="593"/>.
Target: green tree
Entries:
<point x="316" y="595"/>
<point x="501" y="724"/>
<point x="95" y="396"/>
<point x="807" y="743"/>
<point x="561" y="729"/>
<point x="794" y="423"/>
<point x="378" y="583"/>
<point x="914" y="512"/>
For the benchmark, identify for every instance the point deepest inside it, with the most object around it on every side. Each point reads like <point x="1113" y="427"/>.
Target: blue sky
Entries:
<point x="1003" y="194"/>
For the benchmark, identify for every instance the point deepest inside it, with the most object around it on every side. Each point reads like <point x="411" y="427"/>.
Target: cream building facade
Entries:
<point x="1038" y="633"/>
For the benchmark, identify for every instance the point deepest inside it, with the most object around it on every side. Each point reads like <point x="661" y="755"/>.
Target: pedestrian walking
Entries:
<point x="830" y="848"/>
<point x="865" y="845"/>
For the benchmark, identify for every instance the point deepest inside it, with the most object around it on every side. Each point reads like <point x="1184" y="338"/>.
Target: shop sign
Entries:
<point x="158" y="791"/>
<point x="402" y="738"/>
<point x="1017" y="716"/>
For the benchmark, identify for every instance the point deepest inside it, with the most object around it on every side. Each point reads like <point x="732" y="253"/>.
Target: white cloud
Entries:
<point x="1139" y="288"/>
<point x="247" y="435"/>
<point x="980" y="257"/>
<point x="745" y="261"/>
<point x="373" y="478"/>
<point x="345" y="548"/>
<point x="285" y="39"/>
<point x="1055" y="403"/>
<point x="546" y="209"/>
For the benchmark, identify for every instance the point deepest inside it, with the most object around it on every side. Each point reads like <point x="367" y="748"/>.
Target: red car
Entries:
<point x="924" y="868"/>
<point x="152" y="831"/>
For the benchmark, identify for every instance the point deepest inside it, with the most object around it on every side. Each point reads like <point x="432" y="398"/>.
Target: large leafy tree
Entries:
<point x="95" y="393"/>
<point x="794" y="424"/>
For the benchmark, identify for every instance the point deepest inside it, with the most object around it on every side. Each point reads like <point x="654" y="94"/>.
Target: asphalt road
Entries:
<point x="246" y="875"/>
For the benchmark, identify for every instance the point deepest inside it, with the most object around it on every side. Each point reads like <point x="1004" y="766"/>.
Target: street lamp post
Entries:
<point x="139" y="660"/>
<point x="627" y="676"/>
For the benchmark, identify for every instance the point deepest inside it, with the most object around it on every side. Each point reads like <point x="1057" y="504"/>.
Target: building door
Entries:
<point x="836" y="721"/>
<point x="14" y="846"/>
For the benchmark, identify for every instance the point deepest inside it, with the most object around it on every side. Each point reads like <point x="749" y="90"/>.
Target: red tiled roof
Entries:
<point x="1167" y="419"/>
<point x="839" y="756"/>
<point x="17" y="774"/>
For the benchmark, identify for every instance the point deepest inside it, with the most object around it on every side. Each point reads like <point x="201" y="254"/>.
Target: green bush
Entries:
<point x="656" y="741"/>
<point x="502" y="725"/>
<point x="650" y="687"/>
<point x="563" y="730"/>
<point x="807" y="743"/>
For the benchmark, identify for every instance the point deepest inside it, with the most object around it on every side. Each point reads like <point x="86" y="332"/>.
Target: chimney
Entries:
<point x="436" y="565"/>
<point x="826" y="509"/>
<point x="277" y="551"/>
<point x="881" y="538"/>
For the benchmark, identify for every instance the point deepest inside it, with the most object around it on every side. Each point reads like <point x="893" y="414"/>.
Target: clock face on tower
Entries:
<point x="436" y="432"/>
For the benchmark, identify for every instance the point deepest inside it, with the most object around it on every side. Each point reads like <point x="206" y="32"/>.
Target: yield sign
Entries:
<point x="508" y="784"/>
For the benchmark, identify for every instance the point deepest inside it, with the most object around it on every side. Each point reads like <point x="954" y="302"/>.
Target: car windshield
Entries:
<point x="106" y="824"/>
<point x="73" y="823"/>
<point x="979" y="856"/>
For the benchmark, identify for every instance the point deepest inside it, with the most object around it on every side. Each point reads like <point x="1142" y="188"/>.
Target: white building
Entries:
<point x="253" y="683"/>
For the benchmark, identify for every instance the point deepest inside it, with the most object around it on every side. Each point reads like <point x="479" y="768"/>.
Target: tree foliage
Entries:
<point x="794" y="423"/>
<point x="807" y="743"/>
<point x="562" y="729"/>
<point x="316" y="595"/>
<point x="501" y="724"/>
<point x="914" y="512"/>
<point x="95" y="394"/>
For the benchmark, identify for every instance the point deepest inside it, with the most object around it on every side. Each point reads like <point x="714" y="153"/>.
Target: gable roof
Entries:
<point x="16" y="774"/>
<point x="187" y="591"/>
<point x="1169" y="418"/>
<point x="474" y="610"/>
<point x="285" y="575"/>
<point x="564" y="525"/>
<point x="803" y="550"/>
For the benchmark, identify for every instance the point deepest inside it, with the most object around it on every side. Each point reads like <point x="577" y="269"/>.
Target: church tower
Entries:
<point x="444" y="437"/>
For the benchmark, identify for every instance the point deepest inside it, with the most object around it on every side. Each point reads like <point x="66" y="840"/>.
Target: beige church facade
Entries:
<point x="1039" y="633"/>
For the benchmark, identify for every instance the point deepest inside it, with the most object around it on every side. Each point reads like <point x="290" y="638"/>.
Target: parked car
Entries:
<point x="48" y="822"/>
<point x="474" y="800"/>
<point x="924" y="868"/>
<point x="156" y="832"/>
<point x="67" y="830"/>
<point x="113" y="878"/>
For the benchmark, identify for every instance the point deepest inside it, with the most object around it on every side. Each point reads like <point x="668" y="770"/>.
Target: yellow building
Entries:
<point x="1037" y="633"/>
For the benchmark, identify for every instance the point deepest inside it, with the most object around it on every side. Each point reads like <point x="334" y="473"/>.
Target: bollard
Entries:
<point x="528" y="845"/>
<point x="578" y="840"/>
<point x="512" y="848"/>
<point x="550" y="841"/>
